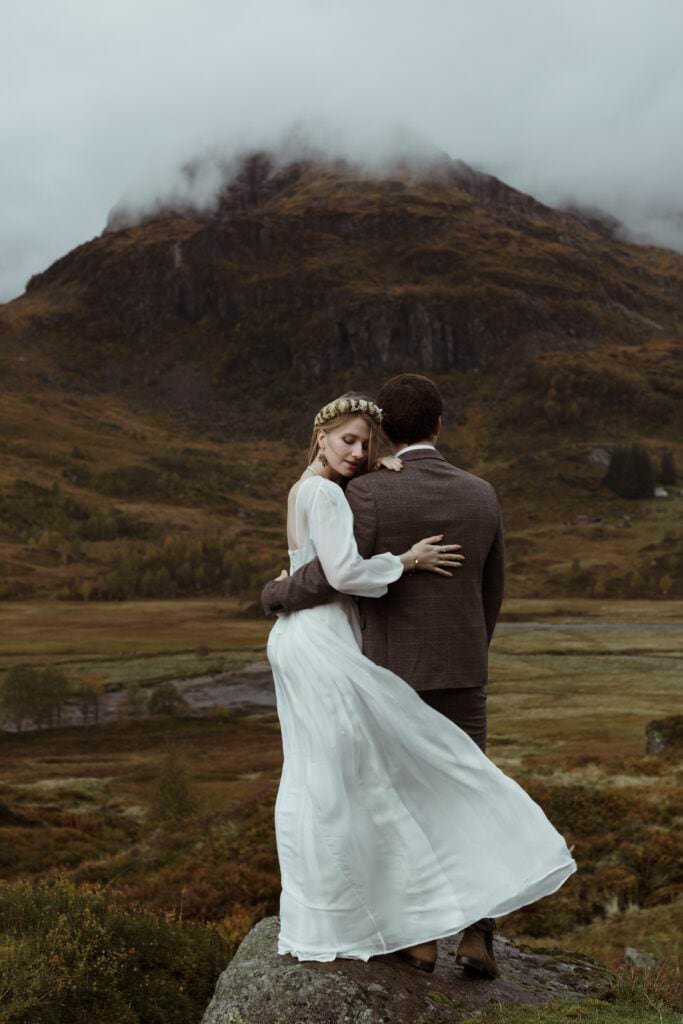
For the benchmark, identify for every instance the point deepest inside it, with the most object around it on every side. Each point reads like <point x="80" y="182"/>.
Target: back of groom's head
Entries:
<point x="411" y="407"/>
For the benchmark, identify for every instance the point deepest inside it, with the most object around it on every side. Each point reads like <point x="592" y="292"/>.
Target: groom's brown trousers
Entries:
<point x="465" y="707"/>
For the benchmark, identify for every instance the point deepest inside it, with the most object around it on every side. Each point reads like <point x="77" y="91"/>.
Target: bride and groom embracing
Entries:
<point x="393" y="828"/>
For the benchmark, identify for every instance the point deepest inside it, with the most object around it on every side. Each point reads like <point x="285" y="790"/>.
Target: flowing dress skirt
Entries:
<point x="392" y="827"/>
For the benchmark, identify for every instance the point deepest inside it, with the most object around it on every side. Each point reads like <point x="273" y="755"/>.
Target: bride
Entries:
<point x="393" y="828"/>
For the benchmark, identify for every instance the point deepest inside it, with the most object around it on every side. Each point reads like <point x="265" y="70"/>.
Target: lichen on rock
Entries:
<point x="261" y="986"/>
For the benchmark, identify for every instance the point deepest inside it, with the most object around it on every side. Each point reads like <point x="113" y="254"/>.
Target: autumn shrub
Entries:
<point x="206" y="864"/>
<point x="180" y="565"/>
<point x="564" y="390"/>
<point x="658" y="986"/>
<point x="657" y="865"/>
<point x="138" y="481"/>
<point x="205" y="890"/>
<point x="174" y="799"/>
<point x="74" y="956"/>
<point x="625" y="851"/>
<point x="55" y="522"/>
<point x="28" y="507"/>
<point x="184" y="475"/>
<point x="42" y="840"/>
<point x="586" y="810"/>
<point x="111" y="524"/>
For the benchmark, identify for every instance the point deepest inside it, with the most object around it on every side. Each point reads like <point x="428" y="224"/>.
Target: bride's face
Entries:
<point x="346" y="447"/>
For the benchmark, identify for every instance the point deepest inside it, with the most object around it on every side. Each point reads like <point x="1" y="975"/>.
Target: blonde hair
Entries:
<point x="347" y="407"/>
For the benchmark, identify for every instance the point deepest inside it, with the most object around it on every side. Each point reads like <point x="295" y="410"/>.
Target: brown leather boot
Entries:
<point x="422" y="956"/>
<point x="475" y="952"/>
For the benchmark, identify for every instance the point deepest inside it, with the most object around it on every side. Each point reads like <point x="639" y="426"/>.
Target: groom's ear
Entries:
<point x="439" y="424"/>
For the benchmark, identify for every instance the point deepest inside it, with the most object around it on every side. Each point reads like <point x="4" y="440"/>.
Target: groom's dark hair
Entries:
<point x="411" y="406"/>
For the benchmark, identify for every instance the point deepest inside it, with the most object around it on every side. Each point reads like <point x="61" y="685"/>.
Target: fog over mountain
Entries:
<point x="567" y="99"/>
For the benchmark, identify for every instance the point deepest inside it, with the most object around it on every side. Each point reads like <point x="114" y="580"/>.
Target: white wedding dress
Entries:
<point x="392" y="827"/>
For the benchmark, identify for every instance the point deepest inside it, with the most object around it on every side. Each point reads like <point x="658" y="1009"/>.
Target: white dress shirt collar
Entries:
<point x="414" y="448"/>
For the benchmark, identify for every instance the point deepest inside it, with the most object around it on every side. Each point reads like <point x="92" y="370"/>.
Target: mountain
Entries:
<point x="175" y="363"/>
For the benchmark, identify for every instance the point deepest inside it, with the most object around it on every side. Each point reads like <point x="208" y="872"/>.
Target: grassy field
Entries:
<point x="175" y="815"/>
<point x="120" y="642"/>
<point x="583" y="684"/>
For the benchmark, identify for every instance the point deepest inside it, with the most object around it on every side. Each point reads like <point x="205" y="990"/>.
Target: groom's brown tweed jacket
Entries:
<point x="431" y="630"/>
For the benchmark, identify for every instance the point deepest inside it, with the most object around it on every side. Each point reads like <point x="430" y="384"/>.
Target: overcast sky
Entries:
<point x="101" y="99"/>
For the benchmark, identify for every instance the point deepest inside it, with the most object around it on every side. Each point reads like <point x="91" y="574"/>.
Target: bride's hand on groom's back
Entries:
<point x="389" y="462"/>
<point x="429" y="555"/>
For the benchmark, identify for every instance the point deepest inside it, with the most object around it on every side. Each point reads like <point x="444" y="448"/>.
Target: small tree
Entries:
<point x="165" y="700"/>
<point x="665" y="585"/>
<point x="16" y="695"/>
<point x="89" y="694"/>
<point x="667" y="470"/>
<point x="630" y="473"/>
<point x="174" y="800"/>
<point x="52" y="691"/>
<point x="133" y="702"/>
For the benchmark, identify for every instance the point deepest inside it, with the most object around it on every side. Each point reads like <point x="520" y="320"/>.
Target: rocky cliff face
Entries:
<point x="259" y="985"/>
<point x="304" y="278"/>
<point x="130" y="362"/>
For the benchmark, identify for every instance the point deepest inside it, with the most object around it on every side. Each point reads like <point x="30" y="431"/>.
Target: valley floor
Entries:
<point x="175" y="813"/>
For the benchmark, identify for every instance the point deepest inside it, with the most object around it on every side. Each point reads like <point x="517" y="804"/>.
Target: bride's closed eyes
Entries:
<point x="351" y="439"/>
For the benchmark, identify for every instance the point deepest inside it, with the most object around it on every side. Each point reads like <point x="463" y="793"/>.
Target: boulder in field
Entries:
<point x="665" y="735"/>
<point x="259" y="985"/>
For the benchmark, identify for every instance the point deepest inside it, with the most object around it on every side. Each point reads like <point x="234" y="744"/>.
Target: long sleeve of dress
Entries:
<point x="330" y="526"/>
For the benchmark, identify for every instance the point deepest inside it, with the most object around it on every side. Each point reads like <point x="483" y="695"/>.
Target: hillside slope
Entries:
<point x="158" y="381"/>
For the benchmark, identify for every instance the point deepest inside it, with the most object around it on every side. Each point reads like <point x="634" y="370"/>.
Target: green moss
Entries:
<point x="590" y="1011"/>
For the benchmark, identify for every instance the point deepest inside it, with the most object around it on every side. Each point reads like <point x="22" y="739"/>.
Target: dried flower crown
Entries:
<point x="346" y="407"/>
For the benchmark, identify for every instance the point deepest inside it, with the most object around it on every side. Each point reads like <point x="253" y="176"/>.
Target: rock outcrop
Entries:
<point x="260" y="986"/>
<point x="664" y="736"/>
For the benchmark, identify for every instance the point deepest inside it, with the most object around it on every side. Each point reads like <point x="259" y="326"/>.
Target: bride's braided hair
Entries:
<point x="335" y="413"/>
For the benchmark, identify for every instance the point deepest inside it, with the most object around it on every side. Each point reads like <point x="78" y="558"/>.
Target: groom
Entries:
<point x="431" y="630"/>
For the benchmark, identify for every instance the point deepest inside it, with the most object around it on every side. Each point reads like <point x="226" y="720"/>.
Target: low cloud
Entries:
<point x="566" y="99"/>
